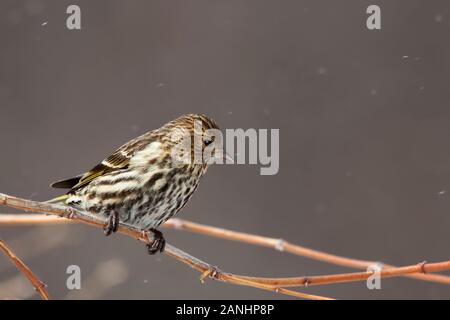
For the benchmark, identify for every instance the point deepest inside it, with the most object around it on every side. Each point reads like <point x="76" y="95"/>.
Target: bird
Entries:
<point x="142" y="184"/>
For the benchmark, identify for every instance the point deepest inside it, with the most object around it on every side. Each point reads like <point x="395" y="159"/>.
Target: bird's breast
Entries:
<point x="143" y="198"/>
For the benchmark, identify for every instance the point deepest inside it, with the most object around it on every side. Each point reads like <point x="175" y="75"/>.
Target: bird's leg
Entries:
<point x="70" y="213"/>
<point x="157" y="241"/>
<point x="113" y="223"/>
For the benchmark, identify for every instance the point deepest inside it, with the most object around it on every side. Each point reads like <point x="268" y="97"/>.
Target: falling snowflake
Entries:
<point x="438" y="18"/>
<point x="322" y="70"/>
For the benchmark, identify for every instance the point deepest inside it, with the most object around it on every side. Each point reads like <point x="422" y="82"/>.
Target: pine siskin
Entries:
<point x="141" y="184"/>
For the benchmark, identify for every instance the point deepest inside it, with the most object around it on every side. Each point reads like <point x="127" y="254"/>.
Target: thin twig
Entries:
<point x="35" y="282"/>
<point x="274" y="243"/>
<point x="422" y="267"/>
<point x="15" y="219"/>
<point x="204" y="268"/>
<point x="207" y="270"/>
<point x="285" y="246"/>
<point x="210" y="271"/>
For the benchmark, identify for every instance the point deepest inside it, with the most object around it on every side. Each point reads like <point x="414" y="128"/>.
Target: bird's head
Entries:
<point x="194" y="140"/>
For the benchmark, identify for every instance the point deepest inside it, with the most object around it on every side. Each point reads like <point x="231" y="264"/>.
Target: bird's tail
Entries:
<point x="59" y="199"/>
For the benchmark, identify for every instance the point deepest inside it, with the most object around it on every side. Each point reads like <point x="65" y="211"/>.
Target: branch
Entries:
<point x="13" y="219"/>
<point x="277" y="244"/>
<point x="284" y="246"/>
<point x="422" y="267"/>
<point x="207" y="270"/>
<point x="204" y="268"/>
<point x="37" y="284"/>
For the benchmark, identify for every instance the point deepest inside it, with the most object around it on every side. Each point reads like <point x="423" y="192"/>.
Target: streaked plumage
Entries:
<point x="139" y="183"/>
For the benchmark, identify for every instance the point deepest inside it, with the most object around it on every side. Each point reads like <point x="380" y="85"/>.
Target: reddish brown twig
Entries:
<point x="37" y="284"/>
<point x="13" y="219"/>
<point x="272" y="284"/>
<point x="277" y="244"/>
<point x="284" y="246"/>
<point x="421" y="267"/>
<point x="204" y="268"/>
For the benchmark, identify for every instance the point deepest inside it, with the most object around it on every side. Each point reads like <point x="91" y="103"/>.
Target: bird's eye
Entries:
<point x="208" y="142"/>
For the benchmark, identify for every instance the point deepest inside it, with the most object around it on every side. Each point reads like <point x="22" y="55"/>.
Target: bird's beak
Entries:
<point x="227" y="159"/>
<point x="224" y="157"/>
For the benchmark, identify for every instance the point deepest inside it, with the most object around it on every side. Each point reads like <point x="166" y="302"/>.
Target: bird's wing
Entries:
<point x="119" y="160"/>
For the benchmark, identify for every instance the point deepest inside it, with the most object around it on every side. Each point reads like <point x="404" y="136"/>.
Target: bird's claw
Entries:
<point x="157" y="244"/>
<point x="70" y="213"/>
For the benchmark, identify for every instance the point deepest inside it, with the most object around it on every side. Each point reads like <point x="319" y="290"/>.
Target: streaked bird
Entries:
<point x="141" y="184"/>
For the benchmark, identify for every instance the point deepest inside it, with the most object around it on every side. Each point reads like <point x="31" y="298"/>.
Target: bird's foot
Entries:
<point x="157" y="241"/>
<point x="70" y="213"/>
<point x="113" y="223"/>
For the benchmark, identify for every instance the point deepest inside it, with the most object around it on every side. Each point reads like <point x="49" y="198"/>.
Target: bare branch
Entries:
<point x="421" y="267"/>
<point x="204" y="268"/>
<point x="36" y="283"/>
<point x="284" y="246"/>
<point x="207" y="270"/>
<point x="277" y="244"/>
<point x="14" y="219"/>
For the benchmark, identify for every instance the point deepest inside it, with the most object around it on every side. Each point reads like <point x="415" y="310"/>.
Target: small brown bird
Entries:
<point x="141" y="184"/>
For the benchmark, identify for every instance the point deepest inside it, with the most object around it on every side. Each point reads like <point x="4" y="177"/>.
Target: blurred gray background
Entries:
<point x="363" y="116"/>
